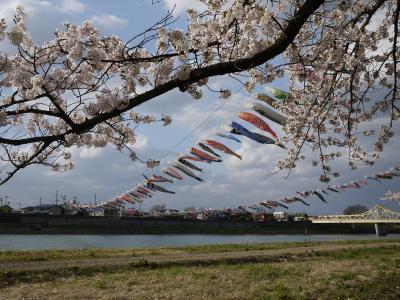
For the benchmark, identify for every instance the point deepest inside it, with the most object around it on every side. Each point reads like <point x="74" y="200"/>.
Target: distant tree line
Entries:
<point x="355" y="209"/>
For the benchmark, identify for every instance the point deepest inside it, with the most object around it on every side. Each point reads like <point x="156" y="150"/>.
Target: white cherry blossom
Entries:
<point x="81" y="89"/>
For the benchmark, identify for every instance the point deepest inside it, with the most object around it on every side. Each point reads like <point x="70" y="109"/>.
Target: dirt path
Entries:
<point x="183" y="258"/>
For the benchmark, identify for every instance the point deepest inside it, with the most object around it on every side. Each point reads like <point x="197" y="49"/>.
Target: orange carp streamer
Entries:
<point x="222" y="147"/>
<point x="204" y="155"/>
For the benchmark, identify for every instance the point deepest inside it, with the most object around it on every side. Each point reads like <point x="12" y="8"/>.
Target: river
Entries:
<point x="63" y="241"/>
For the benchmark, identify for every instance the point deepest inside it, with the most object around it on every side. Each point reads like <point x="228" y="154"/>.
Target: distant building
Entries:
<point x="263" y="217"/>
<point x="5" y="209"/>
<point x="96" y="213"/>
<point x="190" y="215"/>
<point x="131" y="212"/>
<point x="281" y="216"/>
<point x="70" y="210"/>
<point x="200" y="215"/>
<point x="50" y="209"/>
<point x="173" y="213"/>
<point x="300" y="217"/>
<point x="82" y="212"/>
<point x="111" y="212"/>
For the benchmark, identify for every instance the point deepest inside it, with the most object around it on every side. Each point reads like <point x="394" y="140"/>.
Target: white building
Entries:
<point x="280" y="216"/>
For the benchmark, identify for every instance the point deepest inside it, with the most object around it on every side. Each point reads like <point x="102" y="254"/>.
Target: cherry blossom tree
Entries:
<point x="391" y="196"/>
<point x="81" y="89"/>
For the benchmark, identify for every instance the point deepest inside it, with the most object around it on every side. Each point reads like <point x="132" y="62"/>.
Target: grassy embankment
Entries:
<point x="329" y="270"/>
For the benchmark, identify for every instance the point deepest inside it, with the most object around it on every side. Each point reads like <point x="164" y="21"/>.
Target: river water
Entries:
<point x="63" y="241"/>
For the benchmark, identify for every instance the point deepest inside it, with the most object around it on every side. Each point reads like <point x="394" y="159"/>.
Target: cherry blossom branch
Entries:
<point x="81" y="89"/>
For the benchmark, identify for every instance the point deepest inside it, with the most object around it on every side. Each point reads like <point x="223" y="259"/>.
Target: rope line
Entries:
<point x="200" y="124"/>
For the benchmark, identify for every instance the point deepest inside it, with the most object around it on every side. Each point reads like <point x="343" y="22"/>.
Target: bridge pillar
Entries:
<point x="380" y="229"/>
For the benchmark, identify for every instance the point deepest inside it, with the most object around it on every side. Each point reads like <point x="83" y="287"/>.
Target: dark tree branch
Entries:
<point x="279" y="46"/>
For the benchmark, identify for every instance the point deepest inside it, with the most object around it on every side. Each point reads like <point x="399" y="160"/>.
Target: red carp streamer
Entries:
<point x="258" y="122"/>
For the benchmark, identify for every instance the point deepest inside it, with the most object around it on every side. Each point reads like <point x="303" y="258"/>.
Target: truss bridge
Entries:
<point x="378" y="215"/>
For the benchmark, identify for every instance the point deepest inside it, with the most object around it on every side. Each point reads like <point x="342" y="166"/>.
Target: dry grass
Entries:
<point x="354" y="274"/>
<point x="50" y="255"/>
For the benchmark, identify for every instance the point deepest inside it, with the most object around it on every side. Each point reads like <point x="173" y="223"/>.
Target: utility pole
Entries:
<point x="6" y="202"/>
<point x="1" y="201"/>
<point x="40" y="201"/>
<point x="57" y="197"/>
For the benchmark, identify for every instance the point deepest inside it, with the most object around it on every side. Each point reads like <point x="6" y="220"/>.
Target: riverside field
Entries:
<point x="317" y="270"/>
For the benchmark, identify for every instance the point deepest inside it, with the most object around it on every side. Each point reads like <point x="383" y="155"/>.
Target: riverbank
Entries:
<point x="327" y="270"/>
<point x="52" y="224"/>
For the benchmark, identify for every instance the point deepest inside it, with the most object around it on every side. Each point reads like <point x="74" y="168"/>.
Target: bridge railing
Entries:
<point x="377" y="214"/>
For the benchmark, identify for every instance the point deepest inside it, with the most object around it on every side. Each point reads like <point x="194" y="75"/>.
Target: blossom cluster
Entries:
<point x="79" y="89"/>
<point x="392" y="196"/>
<point x="338" y="72"/>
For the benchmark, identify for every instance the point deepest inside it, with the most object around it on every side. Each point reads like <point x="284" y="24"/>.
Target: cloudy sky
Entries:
<point x="107" y="172"/>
